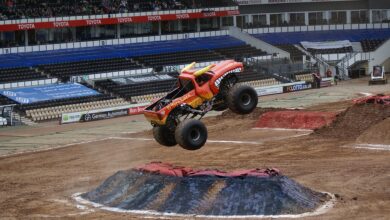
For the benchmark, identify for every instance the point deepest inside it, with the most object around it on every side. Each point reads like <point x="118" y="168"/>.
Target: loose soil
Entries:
<point x="41" y="185"/>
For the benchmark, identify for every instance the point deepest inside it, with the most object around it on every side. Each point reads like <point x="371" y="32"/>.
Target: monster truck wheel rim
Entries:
<point x="195" y="134"/>
<point x="246" y="99"/>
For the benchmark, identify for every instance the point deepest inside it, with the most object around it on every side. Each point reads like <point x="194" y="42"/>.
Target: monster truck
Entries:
<point x="176" y="117"/>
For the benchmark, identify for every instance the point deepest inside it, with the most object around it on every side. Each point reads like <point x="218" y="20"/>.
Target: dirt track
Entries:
<point x="37" y="185"/>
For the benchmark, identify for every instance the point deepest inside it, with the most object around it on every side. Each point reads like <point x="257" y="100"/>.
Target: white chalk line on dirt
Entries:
<point x="284" y="129"/>
<point x="365" y="93"/>
<point x="54" y="148"/>
<point x="146" y="139"/>
<point x="373" y="146"/>
<point x="209" y="141"/>
<point x="165" y="215"/>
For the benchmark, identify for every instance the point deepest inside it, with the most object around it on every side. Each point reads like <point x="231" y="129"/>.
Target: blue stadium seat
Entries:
<point x="116" y="51"/>
<point x="317" y="36"/>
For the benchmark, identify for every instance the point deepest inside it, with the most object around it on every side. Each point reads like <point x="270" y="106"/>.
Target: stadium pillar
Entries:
<point x="73" y="30"/>
<point x="159" y="28"/>
<point x="306" y="18"/>
<point x="370" y="16"/>
<point x="235" y="21"/>
<point x="197" y="25"/>
<point x="268" y="19"/>
<point x="349" y="17"/>
<point x="118" y="31"/>
<point x="25" y="38"/>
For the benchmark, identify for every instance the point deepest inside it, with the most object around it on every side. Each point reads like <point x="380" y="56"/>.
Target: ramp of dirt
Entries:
<point x="377" y="134"/>
<point x="207" y="192"/>
<point x="353" y="122"/>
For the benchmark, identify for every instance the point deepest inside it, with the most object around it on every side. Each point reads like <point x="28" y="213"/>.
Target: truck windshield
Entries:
<point x="186" y="84"/>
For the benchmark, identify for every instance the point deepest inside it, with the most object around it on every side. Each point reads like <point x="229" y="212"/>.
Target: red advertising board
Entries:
<point x="106" y="21"/>
<point x="137" y="110"/>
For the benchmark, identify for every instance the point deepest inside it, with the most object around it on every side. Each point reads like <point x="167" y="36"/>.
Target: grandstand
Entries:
<point x="120" y="48"/>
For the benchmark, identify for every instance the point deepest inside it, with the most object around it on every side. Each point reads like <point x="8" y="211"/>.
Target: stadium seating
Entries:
<point x="371" y="45"/>
<point x="295" y="53"/>
<point x="88" y="67"/>
<point x="66" y="101"/>
<point x="117" y="51"/>
<point x="240" y="51"/>
<point x="55" y="112"/>
<point x="19" y="74"/>
<point x="179" y="58"/>
<point x="59" y="8"/>
<point x="318" y="36"/>
<point x="127" y="91"/>
<point x="331" y="51"/>
<point x="249" y="75"/>
<point x="6" y="101"/>
<point x="304" y="76"/>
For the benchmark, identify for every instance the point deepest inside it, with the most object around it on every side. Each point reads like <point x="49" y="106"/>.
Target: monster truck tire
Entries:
<point x="164" y="136"/>
<point x="242" y="99"/>
<point x="191" y="134"/>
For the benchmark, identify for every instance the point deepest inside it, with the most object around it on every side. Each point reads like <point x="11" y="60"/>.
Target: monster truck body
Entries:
<point x="198" y="92"/>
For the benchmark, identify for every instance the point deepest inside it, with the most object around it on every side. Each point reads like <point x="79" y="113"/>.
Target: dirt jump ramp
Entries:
<point x="164" y="188"/>
<point x="295" y="119"/>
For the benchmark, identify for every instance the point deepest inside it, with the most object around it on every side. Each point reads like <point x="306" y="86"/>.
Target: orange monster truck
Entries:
<point x="176" y="117"/>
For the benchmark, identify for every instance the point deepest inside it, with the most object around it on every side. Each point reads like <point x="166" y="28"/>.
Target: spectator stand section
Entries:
<point x="12" y="10"/>
<point x="49" y="102"/>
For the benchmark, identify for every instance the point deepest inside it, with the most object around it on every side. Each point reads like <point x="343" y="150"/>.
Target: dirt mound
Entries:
<point x="254" y="115"/>
<point x="351" y="123"/>
<point x="207" y="193"/>
<point x="377" y="134"/>
<point x="295" y="119"/>
<point x="229" y="121"/>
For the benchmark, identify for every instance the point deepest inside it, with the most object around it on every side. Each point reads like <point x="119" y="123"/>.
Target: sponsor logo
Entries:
<point x="125" y="20"/>
<point x="298" y="87"/>
<point x="65" y="118"/>
<point x="61" y="24"/>
<point x="154" y="18"/>
<point x="219" y="80"/>
<point x="269" y="91"/>
<point x="104" y="115"/>
<point x="22" y="100"/>
<point x="179" y="101"/>
<point x="210" y="14"/>
<point x="136" y="110"/>
<point x="182" y="16"/>
<point x="235" y="12"/>
<point x="26" y="26"/>
<point x="93" y="22"/>
<point x="9" y="93"/>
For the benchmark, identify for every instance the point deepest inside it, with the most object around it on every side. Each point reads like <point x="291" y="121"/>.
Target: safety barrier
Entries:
<point x="326" y="27"/>
<point x="28" y="83"/>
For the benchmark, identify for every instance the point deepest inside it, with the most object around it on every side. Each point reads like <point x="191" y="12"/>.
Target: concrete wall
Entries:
<point x="318" y="6"/>
<point x="380" y="56"/>
<point x="259" y="44"/>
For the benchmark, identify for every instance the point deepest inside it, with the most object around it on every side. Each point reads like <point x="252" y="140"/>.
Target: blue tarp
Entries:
<point x="48" y="92"/>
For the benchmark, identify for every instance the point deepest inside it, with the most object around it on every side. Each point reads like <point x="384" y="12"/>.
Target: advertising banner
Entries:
<point x="107" y="21"/>
<point x="262" y="91"/>
<point x="297" y="87"/>
<point x="29" y="95"/>
<point x="103" y="115"/>
<point x="136" y="110"/>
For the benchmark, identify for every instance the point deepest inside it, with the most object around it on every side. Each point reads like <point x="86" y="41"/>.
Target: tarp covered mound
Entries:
<point x="167" y="189"/>
<point x="295" y="119"/>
